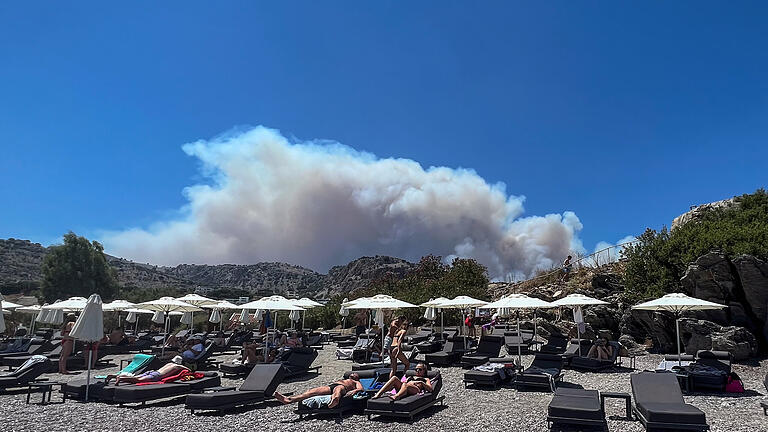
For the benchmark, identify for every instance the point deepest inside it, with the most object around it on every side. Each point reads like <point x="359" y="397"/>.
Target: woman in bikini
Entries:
<point x="412" y="385"/>
<point x="67" y="343"/>
<point x="337" y="390"/>
<point x="396" y="351"/>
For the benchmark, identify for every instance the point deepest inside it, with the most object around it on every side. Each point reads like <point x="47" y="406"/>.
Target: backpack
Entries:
<point x="734" y="385"/>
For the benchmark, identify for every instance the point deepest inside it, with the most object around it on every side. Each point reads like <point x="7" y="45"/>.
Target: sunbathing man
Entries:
<point x="337" y="390"/>
<point x="170" y="369"/>
<point x="412" y="385"/>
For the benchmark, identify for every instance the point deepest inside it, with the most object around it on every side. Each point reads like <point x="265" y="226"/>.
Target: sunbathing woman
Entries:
<point x="170" y="369"/>
<point x="413" y="385"/>
<point x="337" y="390"/>
<point x="396" y="352"/>
<point x="601" y="350"/>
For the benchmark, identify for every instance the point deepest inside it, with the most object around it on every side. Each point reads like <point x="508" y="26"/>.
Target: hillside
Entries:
<point x="20" y="262"/>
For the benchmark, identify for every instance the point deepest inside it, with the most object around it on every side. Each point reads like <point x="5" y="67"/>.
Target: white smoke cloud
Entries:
<point x="319" y="204"/>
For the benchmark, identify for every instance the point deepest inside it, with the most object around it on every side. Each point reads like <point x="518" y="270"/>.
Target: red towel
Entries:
<point x="184" y="375"/>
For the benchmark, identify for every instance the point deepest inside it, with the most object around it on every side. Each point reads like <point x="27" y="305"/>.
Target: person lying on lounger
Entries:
<point x="601" y="350"/>
<point x="170" y="369"/>
<point x="337" y="390"/>
<point x="412" y="385"/>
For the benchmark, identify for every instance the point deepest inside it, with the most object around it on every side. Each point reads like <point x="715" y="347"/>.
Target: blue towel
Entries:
<point x="317" y="401"/>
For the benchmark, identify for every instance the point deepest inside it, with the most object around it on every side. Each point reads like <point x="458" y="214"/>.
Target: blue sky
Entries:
<point x="624" y="113"/>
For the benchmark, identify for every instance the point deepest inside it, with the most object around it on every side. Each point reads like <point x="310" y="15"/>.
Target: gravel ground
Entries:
<point x="465" y="409"/>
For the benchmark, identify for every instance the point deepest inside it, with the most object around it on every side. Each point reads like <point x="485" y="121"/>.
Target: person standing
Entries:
<point x="567" y="267"/>
<point x="67" y="343"/>
<point x="395" y="348"/>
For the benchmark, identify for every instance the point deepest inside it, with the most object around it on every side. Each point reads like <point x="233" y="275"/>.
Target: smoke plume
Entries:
<point x="320" y="203"/>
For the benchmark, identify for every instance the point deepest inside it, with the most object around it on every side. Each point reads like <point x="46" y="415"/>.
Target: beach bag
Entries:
<point x="734" y="385"/>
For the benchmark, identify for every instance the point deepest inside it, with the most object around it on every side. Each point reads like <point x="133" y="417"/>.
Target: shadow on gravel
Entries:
<point x="422" y="415"/>
<point x="306" y="377"/>
<point x="239" y="410"/>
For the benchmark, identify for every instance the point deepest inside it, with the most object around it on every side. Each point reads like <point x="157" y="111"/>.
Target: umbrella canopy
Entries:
<point x="434" y="302"/>
<point x="430" y="314"/>
<point x="275" y="302"/>
<point x="6" y="305"/>
<point x="306" y="303"/>
<point x="70" y="304"/>
<point x="294" y="316"/>
<point x="245" y="318"/>
<point x="158" y="317"/>
<point x="89" y="326"/>
<point x="42" y="317"/>
<point x="56" y="317"/>
<point x="379" y="301"/>
<point x="461" y="302"/>
<point x="131" y="318"/>
<point x="168" y="304"/>
<point x="197" y="300"/>
<point x="677" y="303"/>
<point x="118" y="305"/>
<point x="577" y="300"/>
<point x="34" y="309"/>
<point x="380" y="318"/>
<point x="215" y="316"/>
<point x="222" y="305"/>
<point x="343" y="311"/>
<point x="186" y="318"/>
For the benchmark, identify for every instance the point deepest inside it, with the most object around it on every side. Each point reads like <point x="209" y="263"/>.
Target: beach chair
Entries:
<point x="452" y="350"/>
<point x="50" y="350"/>
<point x="515" y="343"/>
<point x="141" y="394"/>
<point x="26" y="373"/>
<point x="411" y="405"/>
<point x="556" y="344"/>
<point x="423" y="334"/>
<point x="544" y="373"/>
<point x="347" y="404"/>
<point x="489" y="347"/>
<point x="572" y="351"/>
<point x="592" y="364"/>
<point x="710" y="370"/>
<point x="259" y="385"/>
<point x="299" y="362"/>
<point x="659" y="404"/>
<point x="99" y="388"/>
<point x="576" y="408"/>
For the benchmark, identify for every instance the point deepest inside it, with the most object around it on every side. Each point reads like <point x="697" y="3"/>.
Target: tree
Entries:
<point x="77" y="268"/>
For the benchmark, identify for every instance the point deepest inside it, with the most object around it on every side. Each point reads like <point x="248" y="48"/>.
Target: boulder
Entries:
<point x="710" y="278"/>
<point x="753" y="275"/>
<point x="706" y="335"/>
<point x="630" y="344"/>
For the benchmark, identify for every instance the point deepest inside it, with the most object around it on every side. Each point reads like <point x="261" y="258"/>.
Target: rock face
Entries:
<point x="740" y="283"/>
<point x="697" y="211"/>
<point x="699" y="334"/>
<point x="21" y="260"/>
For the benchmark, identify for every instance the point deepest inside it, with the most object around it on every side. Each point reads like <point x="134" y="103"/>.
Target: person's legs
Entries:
<point x="393" y="361"/>
<point x="66" y="350"/>
<point x="393" y="383"/>
<point x="407" y="389"/>
<point x="593" y="352"/>
<point x="338" y="393"/>
<point x="401" y="356"/>
<point x="317" y="391"/>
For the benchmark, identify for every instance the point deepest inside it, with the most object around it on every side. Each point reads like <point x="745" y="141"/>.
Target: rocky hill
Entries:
<point x="20" y="262"/>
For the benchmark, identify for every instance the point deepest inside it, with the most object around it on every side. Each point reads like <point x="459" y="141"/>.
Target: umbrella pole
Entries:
<point x="303" y="320"/>
<point x="32" y="326"/>
<point x="192" y="322"/>
<point x="535" y="327"/>
<point x="677" y="329"/>
<point x="519" y="348"/>
<point x="88" y="375"/>
<point x="578" y="333"/>
<point x="165" y="339"/>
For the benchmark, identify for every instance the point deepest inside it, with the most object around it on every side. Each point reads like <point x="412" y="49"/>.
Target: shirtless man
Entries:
<point x="170" y="369"/>
<point x="337" y="390"/>
<point x="413" y="385"/>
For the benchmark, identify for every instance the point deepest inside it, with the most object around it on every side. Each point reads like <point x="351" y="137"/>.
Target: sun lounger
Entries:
<point x="260" y="385"/>
<point x="710" y="371"/>
<point x="556" y="344"/>
<point x="573" y="349"/>
<point x="515" y="343"/>
<point x="28" y="372"/>
<point x="452" y="351"/>
<point x="134" y="393"/>
<point x="491" y="374"/>
<point x="592" y="364"/>
<point x="360" y="351"/>
<point x="99" y="389"/>
<point x="544" y="373"/>
<point x="299" y="362"/>
<point x="409" y="406"/>
<point x="659" y="403"/>
<point x="489" y="346"/>
<point x="50" y="350"/>
<point x="423" y="334"/>
<point x="346" y="404"/>
<point x="576" y="407"/>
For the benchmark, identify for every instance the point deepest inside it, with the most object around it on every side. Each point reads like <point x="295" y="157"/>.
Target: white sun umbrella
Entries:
<point x="43" y="314"/>
<point x="463" y="303"/>
<point x="379" y="303"/>
<point x="89" y="328"/>
<point x="56" y="317"/>
<point x="118" y="306"/>
<point x="677" y="303"/>
<point x="72" y="304"/>
<point x="294" y="316"/>
<point x="215" y="317"/>
<point x="167" y="305"/>
<point x="187" y="319"/>
<point x="272" y="303"/>
<point x="196" y="300"/>
<point x="577" y="301"/>
<point x="245" y="317"/>
<point x="344" y="313"/>
<point x="217" y="308"/>
<point x="34" y="310"/>
<point x="518" y="302"/>
<point x="434" y="304"/>
<point x="158" y="317"/>
<point x="9" y="305"/>
<point x="306" y="303"/>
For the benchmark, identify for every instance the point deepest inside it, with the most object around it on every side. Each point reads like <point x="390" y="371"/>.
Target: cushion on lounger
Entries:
<point x="406" y="404"/>
<point x="659" y="399"/>
<point x="672" y="413"/>
<point x="264" y="378"/>
<point x="581" y="407"/>
<point x="225" y="398"/>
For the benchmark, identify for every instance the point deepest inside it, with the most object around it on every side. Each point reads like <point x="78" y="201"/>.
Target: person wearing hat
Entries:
<point x="193" y="348"/>
<point x="170" y="369"/>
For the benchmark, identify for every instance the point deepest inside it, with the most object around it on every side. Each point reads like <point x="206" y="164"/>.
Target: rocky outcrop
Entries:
<point x="706" y="335"/>
<point x="362" y="271"/>
<point x="698" y="211"/>
<point x="740" y="283"/>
